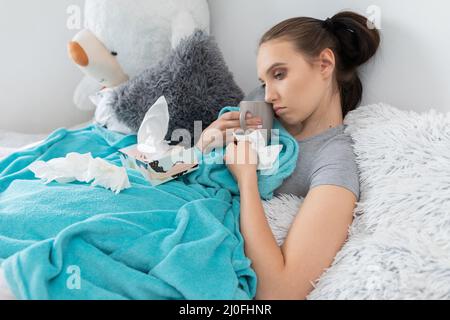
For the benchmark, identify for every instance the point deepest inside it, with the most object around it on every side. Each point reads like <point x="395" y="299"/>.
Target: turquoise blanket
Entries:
<point x="180" y="240"/>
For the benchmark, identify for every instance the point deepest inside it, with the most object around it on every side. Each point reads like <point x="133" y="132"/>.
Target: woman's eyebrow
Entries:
<point x="276" y="64"/>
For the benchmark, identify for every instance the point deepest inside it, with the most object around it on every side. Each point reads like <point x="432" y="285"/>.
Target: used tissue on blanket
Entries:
<point x="83" y="168"/>
<point x="267" y="155"/>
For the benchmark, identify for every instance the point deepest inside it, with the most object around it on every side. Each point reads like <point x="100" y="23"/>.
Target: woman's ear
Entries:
<point x="327" y="62"/>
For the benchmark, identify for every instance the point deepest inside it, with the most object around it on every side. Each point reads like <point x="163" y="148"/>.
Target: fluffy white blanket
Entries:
<point x="399" y="242"/>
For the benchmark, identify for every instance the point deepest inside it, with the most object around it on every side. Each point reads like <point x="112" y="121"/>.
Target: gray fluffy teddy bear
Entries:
<point x="195" y="81"/>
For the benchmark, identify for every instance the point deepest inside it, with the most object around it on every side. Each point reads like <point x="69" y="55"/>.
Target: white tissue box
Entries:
<point x="177" y="162"/>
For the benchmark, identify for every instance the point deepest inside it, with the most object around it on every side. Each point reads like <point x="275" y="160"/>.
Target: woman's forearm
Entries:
<point x="260" y="245"/>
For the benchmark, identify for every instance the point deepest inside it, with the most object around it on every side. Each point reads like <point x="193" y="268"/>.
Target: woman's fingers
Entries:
<point x="252" y="120"/>
<point x="232" y="124"/>
<point x="232" y="115"/>
<point x="240" y="153"/>
<point x="230" y="152"/>
<point x="232" y="119"/>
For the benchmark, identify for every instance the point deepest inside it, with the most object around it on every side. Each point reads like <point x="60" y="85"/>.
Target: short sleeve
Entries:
<point x="336" y="165"/>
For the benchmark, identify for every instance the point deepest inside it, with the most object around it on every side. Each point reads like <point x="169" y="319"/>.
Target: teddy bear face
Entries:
<point x="89" y="53"/>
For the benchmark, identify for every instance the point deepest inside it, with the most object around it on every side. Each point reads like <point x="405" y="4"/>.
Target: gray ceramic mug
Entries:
<point x="259" y="109"/>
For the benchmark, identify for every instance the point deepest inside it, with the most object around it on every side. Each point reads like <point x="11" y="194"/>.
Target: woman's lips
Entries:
<point x="278" y="110"/>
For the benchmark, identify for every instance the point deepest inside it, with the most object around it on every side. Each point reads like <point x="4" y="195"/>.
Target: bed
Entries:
<point x="13" y="141"/>
<point x="398" y="246"/>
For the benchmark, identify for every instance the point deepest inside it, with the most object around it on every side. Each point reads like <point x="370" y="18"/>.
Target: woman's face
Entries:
<point x="294" y="86"/>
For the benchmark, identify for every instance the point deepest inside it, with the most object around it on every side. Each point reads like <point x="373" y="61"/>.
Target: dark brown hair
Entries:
<point x="352" y="37"/>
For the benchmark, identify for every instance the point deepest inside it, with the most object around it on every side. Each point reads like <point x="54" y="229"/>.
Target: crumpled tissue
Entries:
<point x="83" y="168"/>
<point x="267" y="155"/>
<point x="153" y="129"/>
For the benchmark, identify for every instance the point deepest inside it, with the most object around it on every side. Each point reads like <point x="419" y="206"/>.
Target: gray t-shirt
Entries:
<point x="324" y="159"/>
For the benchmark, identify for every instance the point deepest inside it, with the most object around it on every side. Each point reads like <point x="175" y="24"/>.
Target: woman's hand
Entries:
<point x="241" y="160"/>
<point x="221" y="130"/>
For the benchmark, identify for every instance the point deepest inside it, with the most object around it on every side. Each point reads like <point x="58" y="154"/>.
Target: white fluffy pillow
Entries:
<point x="399" y="243"/>
<point x="280" y="213"/>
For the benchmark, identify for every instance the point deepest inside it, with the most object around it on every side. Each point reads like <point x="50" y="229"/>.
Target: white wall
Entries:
<point x="37" y="79"/>
<point x="410" y="70"/>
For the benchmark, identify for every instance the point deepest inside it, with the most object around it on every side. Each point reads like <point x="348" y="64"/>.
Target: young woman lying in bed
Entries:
<point x="308" y="68"/>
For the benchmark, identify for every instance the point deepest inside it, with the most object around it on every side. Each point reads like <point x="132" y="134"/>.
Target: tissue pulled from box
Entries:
<point x="153" y="129"/>
<point x="267" y="155"/>
<point x="83" y="168"/>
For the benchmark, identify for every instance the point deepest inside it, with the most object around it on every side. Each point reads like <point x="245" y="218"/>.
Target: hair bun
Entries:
<point x="358" y="43"/>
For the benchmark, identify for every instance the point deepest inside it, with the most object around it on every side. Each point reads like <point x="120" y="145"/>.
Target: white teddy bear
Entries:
<point x="122" y="38"/>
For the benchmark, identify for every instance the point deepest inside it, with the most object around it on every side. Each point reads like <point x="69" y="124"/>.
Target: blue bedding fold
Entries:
<point x="179" y="240"/>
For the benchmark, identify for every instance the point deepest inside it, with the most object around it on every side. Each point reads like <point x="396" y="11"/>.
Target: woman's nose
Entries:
<point x="270" y="95"/>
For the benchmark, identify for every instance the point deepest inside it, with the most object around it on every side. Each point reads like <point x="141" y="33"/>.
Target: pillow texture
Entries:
<point x="195" y="81"/>
<point x="280" y="213"/>
<point x="399" y="242"/>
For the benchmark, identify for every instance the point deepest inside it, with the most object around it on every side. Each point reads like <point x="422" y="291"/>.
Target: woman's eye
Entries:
<point x="114" y="53"/>
<point x="263" y="85"/>
<point x="279" y="75"/>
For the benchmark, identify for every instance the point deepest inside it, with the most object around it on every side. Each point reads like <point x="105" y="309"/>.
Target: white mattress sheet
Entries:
<point x="11" y="141"/>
